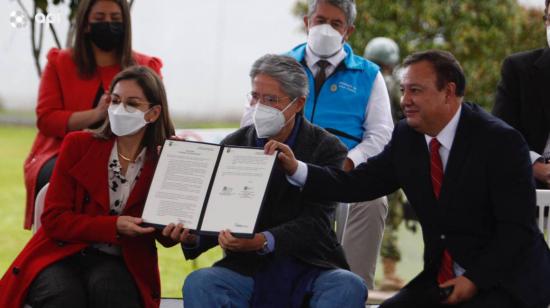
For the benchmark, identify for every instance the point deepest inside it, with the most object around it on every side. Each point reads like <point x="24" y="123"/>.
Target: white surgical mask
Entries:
<point x="324" y="41"/>
<point x="248" y="114"/>
<point x="269" y="121"/>
<point x="124" y="123"/>
<point x="548" y="35"/>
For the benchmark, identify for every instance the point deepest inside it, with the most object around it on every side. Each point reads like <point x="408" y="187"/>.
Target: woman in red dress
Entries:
<point x="73" y="90"/>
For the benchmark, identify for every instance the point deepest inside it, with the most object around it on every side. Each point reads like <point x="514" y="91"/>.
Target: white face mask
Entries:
<point x="269" y="121"/>
<point x="124" y="123"/>
<point x="324" y="41"/>
<point x="548" y="35"/>
<point x="248" y="114"/>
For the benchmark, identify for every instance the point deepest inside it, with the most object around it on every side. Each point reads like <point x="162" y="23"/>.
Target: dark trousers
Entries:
<point x="87" y="279"/>
<point x="423" y="293"/>
<point x="45" y="174"/>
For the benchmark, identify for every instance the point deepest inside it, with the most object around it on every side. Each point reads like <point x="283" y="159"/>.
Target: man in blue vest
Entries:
<point x="348" y="97"/>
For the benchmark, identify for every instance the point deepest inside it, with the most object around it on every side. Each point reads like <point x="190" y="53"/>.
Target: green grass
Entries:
<point x="15" y="143"/>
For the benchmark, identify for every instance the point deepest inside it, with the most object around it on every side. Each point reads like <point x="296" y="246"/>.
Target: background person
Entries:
<point x="347" y="97"/>
<point x="385" y="53"/>
<point x="72" y="94"/>
<point x="521" y="100"/>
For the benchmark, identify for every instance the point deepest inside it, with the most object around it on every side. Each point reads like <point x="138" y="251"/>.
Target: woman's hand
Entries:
<point x="179" y="234"/>
<point x="129" y="226"/>
<point x="100" y="111"/>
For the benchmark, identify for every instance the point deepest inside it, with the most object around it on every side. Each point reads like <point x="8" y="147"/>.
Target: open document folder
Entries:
<point x="209" y="187"/>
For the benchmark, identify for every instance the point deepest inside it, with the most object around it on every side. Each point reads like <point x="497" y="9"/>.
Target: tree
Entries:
<point x="479" y="33"/>
<point x="37" y="28"/>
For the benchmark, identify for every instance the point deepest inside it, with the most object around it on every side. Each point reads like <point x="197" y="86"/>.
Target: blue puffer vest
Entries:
<point x="343" y="98"/>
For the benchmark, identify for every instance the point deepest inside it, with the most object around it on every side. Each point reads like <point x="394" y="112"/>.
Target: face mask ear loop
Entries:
<point x="147" y="111"/>
<point x="283" y="111"/>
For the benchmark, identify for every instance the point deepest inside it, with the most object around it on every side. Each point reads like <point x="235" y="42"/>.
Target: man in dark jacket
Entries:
<point x="295" y="256"/>
<point x="522" y="100"/>
<point x="468" y="177"/>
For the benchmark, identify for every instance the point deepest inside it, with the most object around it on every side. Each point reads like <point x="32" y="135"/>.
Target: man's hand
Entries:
<point x="348" y="164"/>
<point x="541" y="171"/>
<point x="129" y="226"/>
<point x="179" y="234"/>
<point x="286" y="157"/>
<point x="229" y="242"/>
<point x="464" y="290"/>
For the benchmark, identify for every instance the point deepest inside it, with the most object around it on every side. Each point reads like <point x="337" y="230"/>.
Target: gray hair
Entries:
<point x="347" y="6"/>
<point x="286" y="70"/>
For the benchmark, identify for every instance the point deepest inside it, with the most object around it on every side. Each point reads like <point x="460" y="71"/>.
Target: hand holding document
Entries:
<point x="208" y="187"/>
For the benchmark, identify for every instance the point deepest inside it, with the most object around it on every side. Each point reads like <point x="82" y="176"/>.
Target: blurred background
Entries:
<point x="208" y="47"/>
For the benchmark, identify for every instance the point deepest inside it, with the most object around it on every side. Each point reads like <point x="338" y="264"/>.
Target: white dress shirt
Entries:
<point x="120" y="187"/>
<point x="378" y="123"/>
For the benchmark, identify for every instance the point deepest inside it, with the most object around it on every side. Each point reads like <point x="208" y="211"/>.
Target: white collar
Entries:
<point x="312" y="59"/>
<point x="447" y="135"/>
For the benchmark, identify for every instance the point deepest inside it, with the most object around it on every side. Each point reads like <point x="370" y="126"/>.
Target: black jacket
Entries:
<point x="523" y="95"/>
<point x="301" y="228"/>
<point x="485" y="214"/>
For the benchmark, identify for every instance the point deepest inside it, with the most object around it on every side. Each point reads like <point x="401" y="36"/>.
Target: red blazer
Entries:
<point x="61" y="93"/>
<point x="76" y="214"/>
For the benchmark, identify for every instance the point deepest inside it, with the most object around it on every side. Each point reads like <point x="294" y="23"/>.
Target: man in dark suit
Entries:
<point x="294" y="257"/>
<point x="468" y="177"/>
<point x="522" y="101"/>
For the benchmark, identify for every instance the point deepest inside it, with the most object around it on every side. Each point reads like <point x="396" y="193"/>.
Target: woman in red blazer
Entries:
<point x="71" y="95"/>
<point x="90" y="250"/>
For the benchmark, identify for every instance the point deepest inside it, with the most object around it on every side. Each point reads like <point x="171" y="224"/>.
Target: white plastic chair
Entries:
<point x="39" y="207"/>
<point x="543" y="202"/>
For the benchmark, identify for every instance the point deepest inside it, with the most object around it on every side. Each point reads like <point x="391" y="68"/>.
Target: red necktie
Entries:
<point x="436" y="170"/>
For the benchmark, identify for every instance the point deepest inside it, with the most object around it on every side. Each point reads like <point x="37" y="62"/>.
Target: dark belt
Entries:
<point x="91" y="251"/>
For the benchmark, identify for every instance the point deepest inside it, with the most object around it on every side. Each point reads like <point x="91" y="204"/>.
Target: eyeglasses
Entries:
<point x="131" y="105"/>
<point x="266" y="99"/>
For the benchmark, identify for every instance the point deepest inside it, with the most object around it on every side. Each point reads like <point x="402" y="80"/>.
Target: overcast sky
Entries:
<point x="207" y="48"/>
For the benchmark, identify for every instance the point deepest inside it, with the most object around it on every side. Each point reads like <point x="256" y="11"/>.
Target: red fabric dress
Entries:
<point x="76" y="214"/>
<point x="61" y="93"/>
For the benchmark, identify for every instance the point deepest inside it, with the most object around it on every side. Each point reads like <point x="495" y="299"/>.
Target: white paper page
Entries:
<point x="238" y="190"/>
<point x="180" y="183"/>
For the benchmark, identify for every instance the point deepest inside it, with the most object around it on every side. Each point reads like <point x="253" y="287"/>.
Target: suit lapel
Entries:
<point x="542" y="72"/>
<point x="91" y="171"/>
<point x="459" y="150"/>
